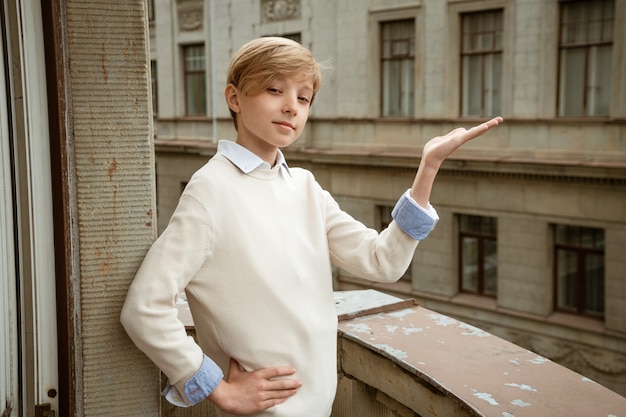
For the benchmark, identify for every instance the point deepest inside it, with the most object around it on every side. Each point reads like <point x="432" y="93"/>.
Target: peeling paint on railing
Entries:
<point x="491" y="376"/>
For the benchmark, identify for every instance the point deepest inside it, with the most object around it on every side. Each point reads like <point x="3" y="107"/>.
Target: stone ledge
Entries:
<point x="467" y="370"/>
<point x="396" y="356"/>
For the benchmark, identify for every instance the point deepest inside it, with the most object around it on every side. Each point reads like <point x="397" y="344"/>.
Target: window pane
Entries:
<point x="153" y="79"/>
<point x="196" y="97"/>
<point x="150" y="10"/>
<point x="491" y="267"/>
<point x="195" y="80"/>
<point x="580" y="269"/>
<point x="486" y="40"/>
<point x="192" y="55"/>
<point x="579" y="237"/>
<point x="594" y="290"/>
<point x="572" y="23"/>
<point x="599" y="81"/>
<point x="493" y="82"/>
<point x="481" y="61"/>
<point x="391" y="91"/>
<point x="567" y="280"/>
<point x="609" y="19"/>
<point x="407" y="87"/>
<point x="587" y="22"/>
<point x="472" y="85"/>
<point x="586" y="46"/>
<point x="567" y="235"/>
<point x="572" y="82"/>
<point x="192" y="88"/>
<point x="469" y="267"/>
<point x="591" y="238"/>
<point x="479" y="250"/>
<point x="398" y="68"/>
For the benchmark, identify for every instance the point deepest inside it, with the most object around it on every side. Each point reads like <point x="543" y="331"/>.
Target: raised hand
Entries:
<point x="244" y="393"/>
<point x="437" y="150"/>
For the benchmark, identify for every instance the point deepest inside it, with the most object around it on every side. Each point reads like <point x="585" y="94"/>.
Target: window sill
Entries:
<point x="577" y="322"/>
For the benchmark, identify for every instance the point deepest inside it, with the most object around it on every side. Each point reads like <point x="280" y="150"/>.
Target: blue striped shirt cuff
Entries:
<point x="202" y="384"/>
<point x="198" y="387"/>
<point x="414" y="220"/>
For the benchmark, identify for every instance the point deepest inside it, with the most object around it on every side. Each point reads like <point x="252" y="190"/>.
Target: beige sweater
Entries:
<point x="254" y="253"/>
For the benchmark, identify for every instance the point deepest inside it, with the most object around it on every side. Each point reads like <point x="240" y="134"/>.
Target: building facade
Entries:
<point x="531" y="243"/>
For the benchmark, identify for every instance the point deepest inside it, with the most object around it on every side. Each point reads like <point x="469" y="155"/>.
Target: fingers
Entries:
<point x="481" y="128"/>
<point x="494" y="122"/>
<point x="250" y="392"/>
<point x="276" y="372"/>
<point x="265" y="373"/>
<point x="273" y="379"/>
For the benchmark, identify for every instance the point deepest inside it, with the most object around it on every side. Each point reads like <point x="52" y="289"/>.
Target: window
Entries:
<point x="398" y="68"/>
<point x="478" y="249"/>
<point x="383" y="220"/>
<point x="481" y="60"/>
<point x="151" y="11"/>
<point x="586" y="40"/>
<point x="579" y="270"/>
<point x="195" y="81"/>
<point x="153" y="79"/>
<point x="296" y="36"/>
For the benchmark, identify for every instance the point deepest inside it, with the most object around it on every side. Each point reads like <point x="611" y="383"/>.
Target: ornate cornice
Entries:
<point x="276" y="10"/>
<point x="190" y="15"/>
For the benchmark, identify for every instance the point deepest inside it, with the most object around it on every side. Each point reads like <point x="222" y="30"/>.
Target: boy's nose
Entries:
<point x="289" y="106"/>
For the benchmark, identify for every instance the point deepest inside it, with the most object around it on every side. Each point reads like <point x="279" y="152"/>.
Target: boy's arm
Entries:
<point x="413" y="212"/>
<point x="151" y="320"/>
<point x="149" y="314"/>
<point x="436" y="151"/>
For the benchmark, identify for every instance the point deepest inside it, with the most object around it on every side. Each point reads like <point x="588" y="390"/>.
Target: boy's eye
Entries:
<point x="304" y="99"/>
<point x="273" y="90"/>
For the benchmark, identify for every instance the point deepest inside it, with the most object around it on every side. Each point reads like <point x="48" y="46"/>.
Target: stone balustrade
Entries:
<point x="396" y="358"/>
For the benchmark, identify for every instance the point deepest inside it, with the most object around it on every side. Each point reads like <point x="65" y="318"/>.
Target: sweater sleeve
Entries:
<point x="149" y="314"/>
<point x="362" y="251"/>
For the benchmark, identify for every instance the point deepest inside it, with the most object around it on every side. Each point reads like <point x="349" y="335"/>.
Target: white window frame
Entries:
<point x="28" y="215"/>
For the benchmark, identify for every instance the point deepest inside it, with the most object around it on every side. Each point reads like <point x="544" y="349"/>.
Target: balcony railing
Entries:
<point x="396" y="358"/>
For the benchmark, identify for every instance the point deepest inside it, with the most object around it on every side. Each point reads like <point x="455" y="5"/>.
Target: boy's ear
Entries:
<point x="231" y="93"/>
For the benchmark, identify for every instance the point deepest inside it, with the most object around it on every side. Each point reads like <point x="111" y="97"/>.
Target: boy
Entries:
<point x="252" y="243"/>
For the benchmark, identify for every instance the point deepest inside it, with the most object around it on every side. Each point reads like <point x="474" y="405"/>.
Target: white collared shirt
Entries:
<point x="246" y="160"/>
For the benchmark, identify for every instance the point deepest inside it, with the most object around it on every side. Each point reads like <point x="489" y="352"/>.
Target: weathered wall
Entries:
<point x="110" y="146"/>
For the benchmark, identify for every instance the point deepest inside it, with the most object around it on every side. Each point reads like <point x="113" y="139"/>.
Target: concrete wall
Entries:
<point x="111" y="160"/>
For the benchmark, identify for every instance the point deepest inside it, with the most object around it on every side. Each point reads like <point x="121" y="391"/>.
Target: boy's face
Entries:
<point x="272" y="118"/>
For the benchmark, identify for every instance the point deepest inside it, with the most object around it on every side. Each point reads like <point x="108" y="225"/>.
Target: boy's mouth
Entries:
<point x="285" y="124"/>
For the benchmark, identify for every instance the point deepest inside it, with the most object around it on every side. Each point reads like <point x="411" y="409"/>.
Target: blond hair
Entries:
<point x="260" y="62"/>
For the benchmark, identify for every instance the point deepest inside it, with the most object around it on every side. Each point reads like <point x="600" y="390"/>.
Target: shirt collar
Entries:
<point x="246" y="160"/>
